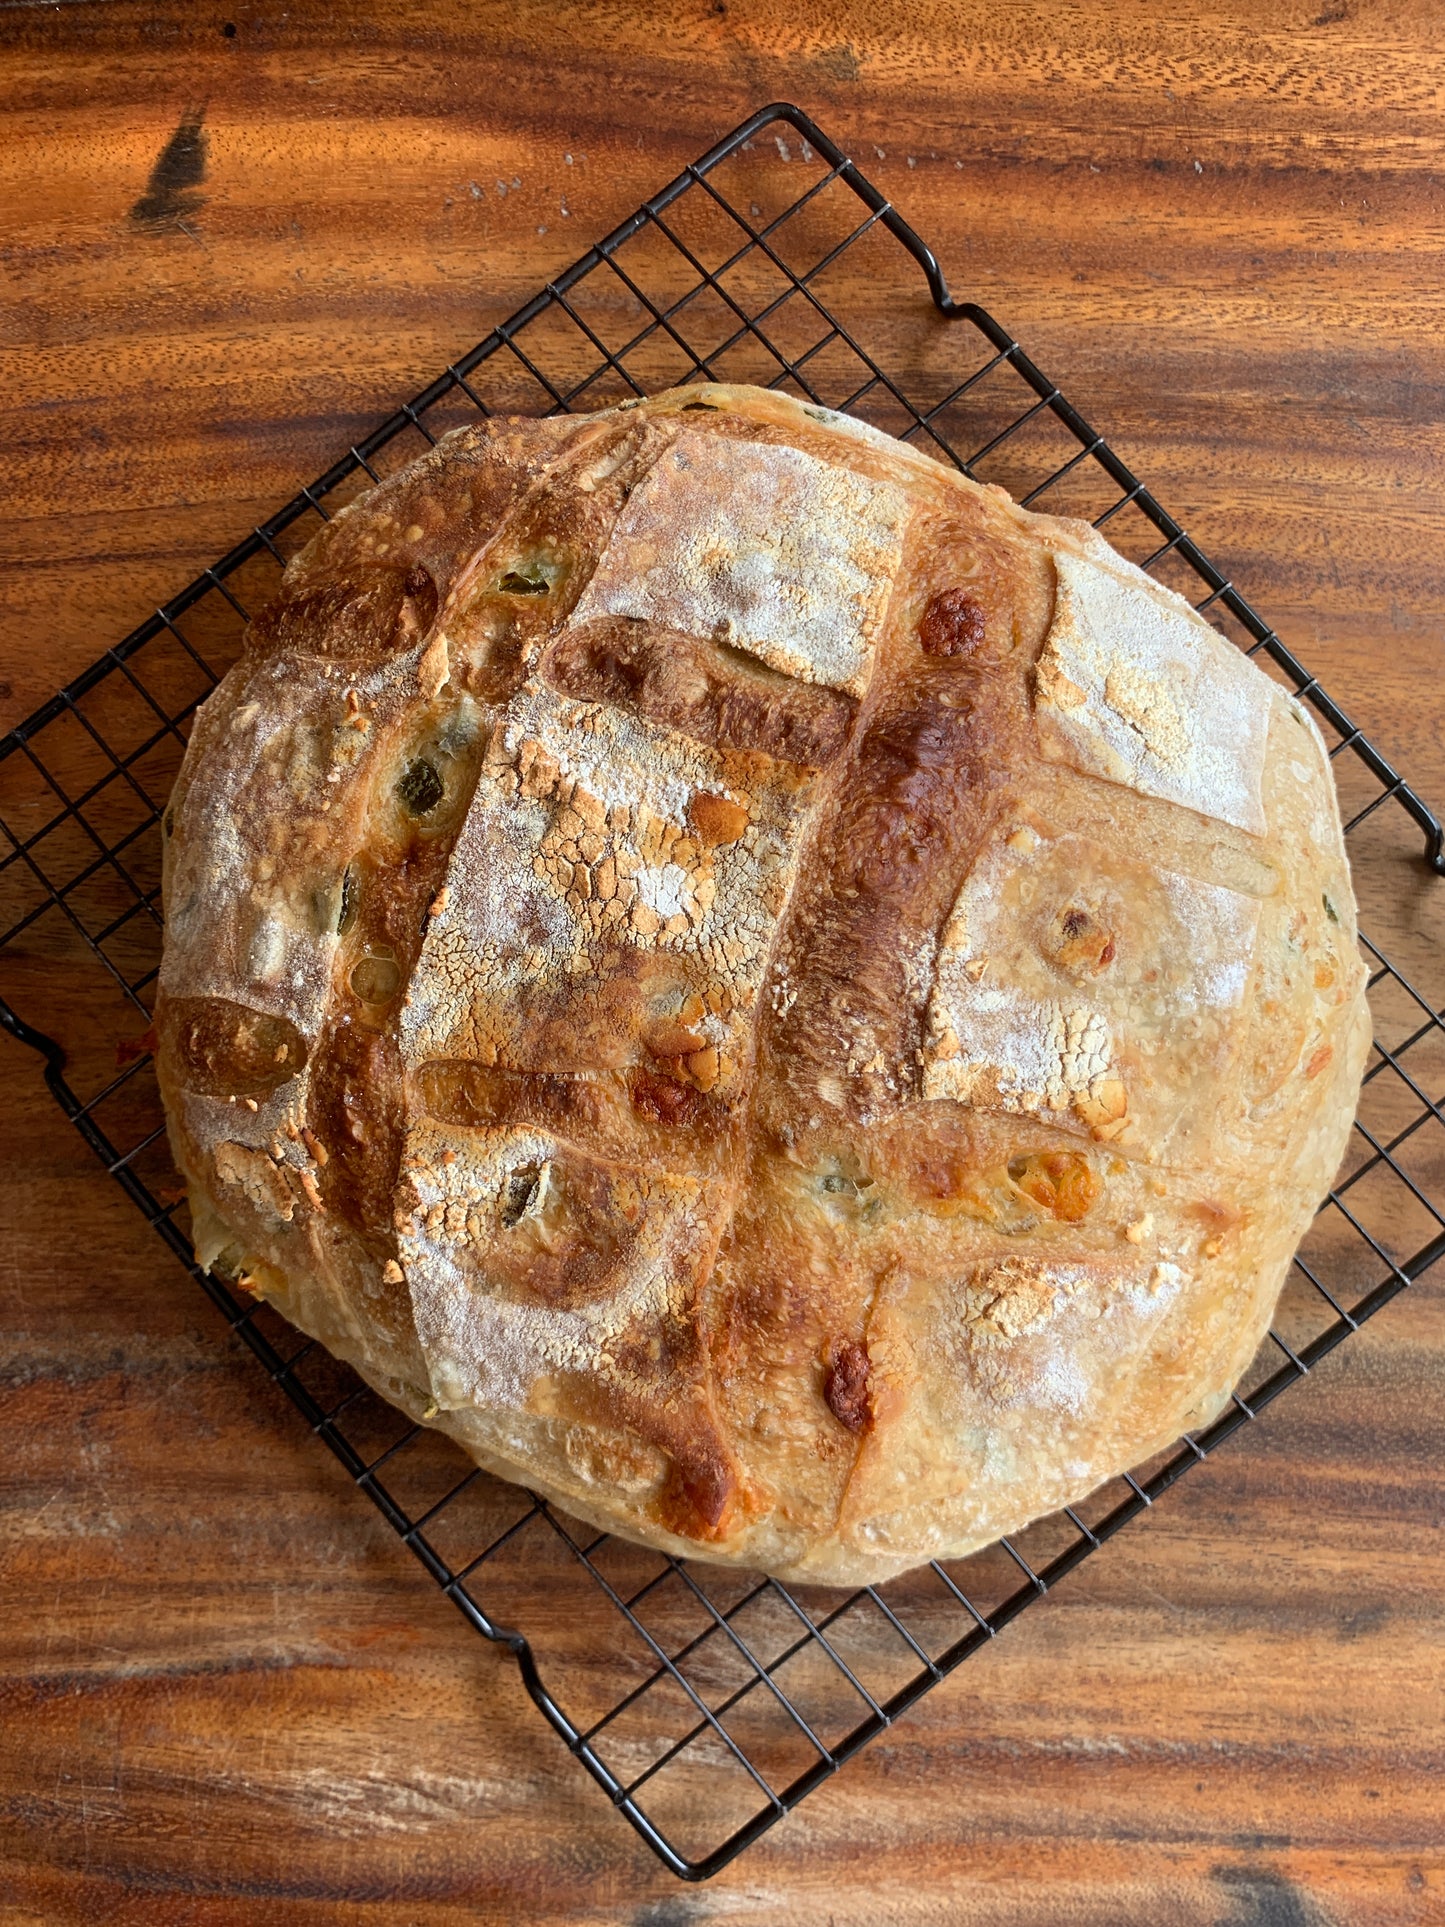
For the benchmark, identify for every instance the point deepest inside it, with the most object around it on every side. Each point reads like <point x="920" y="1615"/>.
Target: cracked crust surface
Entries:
<point x="789" y="1004"/>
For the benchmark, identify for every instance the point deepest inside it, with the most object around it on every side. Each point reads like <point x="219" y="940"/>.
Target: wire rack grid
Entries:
<point x="706" y="1703"/>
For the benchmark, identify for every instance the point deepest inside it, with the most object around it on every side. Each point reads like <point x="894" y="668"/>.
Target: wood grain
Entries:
<point x="1222" y="229"/>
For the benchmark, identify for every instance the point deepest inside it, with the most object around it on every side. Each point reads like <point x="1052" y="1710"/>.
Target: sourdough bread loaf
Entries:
<point x="791" y="1005"/>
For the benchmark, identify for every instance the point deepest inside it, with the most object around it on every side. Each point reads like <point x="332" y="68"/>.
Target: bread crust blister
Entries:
<point x="794" y="1007"/>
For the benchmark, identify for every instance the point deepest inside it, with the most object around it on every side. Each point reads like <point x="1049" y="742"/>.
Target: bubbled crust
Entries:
<point x="791" y="1005"/>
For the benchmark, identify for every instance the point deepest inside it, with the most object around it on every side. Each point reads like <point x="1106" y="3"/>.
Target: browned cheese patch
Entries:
<point x="954" y="624"/>
<point x="845" y="1386"/>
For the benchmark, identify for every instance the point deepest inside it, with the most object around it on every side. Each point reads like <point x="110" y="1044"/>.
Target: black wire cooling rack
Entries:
<point x="705" y="1702"/>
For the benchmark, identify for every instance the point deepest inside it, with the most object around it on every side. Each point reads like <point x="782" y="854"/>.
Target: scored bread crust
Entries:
<point x="791" y="1005"/>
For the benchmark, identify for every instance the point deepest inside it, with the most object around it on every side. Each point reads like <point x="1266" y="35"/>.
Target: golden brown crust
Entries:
<point x="793" y="1006"/>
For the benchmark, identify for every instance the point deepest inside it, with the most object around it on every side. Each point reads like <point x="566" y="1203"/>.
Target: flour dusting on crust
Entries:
<point x="1072" y="979"/>
<point x="762" y="547"/>
<point x="580" y="851"/>
<point x="487" y="1214"/>
<point x="1134" y="686"/>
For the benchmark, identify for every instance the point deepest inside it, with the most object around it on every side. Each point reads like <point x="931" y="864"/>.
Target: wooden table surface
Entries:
<point x="232" y="241"/>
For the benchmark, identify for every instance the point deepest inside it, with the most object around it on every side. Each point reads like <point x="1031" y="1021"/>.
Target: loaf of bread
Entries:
<point x="792" y="1006"/>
